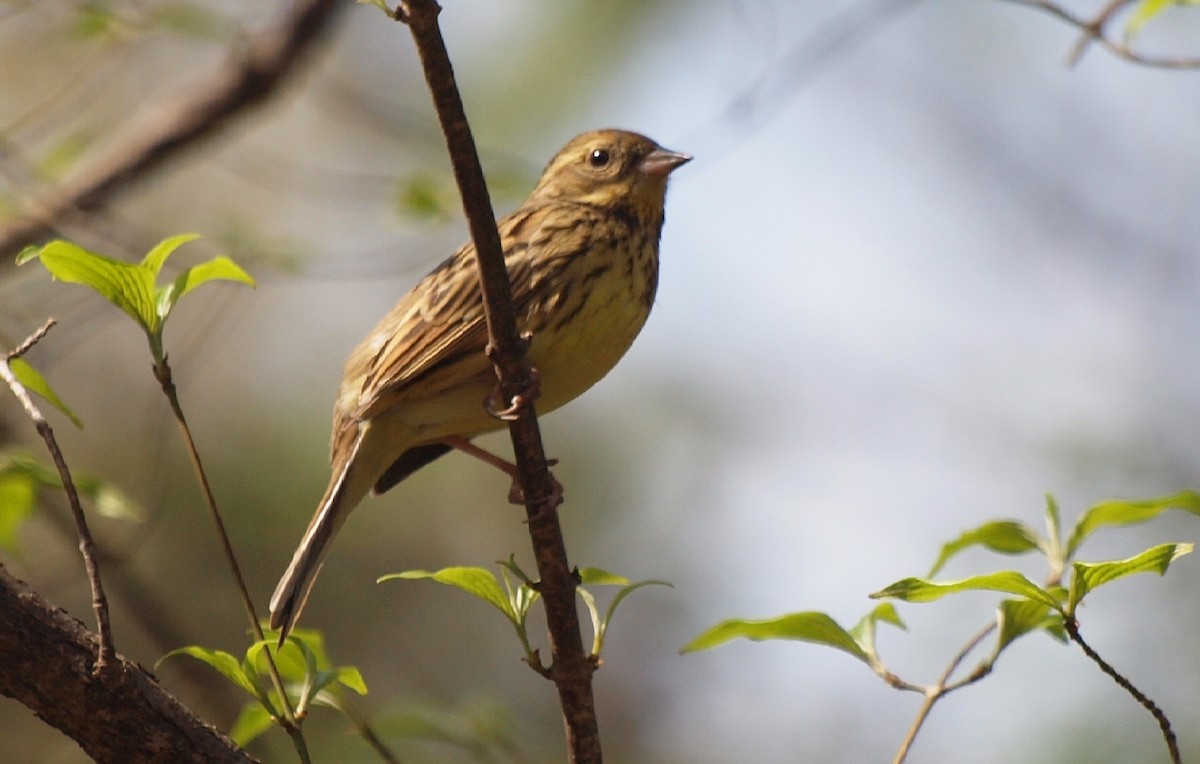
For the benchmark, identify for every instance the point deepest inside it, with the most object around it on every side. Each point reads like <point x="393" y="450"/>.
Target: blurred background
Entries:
<point x="920" y="273"/>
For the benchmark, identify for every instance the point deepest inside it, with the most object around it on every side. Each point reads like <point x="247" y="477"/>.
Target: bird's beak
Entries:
<point x="660" y="162"/>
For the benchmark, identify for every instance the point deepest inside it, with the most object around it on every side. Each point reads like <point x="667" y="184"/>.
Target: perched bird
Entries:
<point x="582" y="256"/>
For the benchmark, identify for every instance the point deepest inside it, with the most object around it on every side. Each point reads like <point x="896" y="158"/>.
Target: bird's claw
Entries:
<point x="510" y="410"/>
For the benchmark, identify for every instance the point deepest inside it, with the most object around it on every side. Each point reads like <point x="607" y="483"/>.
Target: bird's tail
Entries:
<point x="343" y="494"/>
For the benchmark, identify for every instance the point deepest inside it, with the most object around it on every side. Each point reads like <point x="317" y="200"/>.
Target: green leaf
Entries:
<point x="864" y="631"/>
<point x="478" y="582"/>
<point x="1128" y="512"/>
<point x="129" y="287"/>
<point x="1091" y="575"/>
<point x="1142" y="14"/>
<point x="36" y="383"/>
<point x="809" y="626"/>
<point x="1006" y="581"/>
<point x="225" y="664"/>
<point x="349" y="676"/>
<point x="601" y="577"/>
<point x="219" y="268"/>
<point x="380" y="4"/>
<point x="1003" y="536"/>
<point x="18" y="498"/>
<point x="158" y="254"/>
<point x="1019" y="617"/>
<point x="253" y="721"/>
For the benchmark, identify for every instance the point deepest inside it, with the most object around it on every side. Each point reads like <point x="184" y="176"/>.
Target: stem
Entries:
<point x="936" y="692"/>
<point x="1072" y="628"/>
<point x="162" y="372"/>
<point x="570" y="670"/>
<point x="106" y="653"/>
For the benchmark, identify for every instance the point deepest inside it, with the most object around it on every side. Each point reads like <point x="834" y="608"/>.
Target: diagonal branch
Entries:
<point x="167" y="129"/>
<point x="120" y="717"/>
<point x="571" y="669"/>
<point x="87" y="547"/>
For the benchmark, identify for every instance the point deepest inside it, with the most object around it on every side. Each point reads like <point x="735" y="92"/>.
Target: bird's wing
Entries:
<point x="436" y="334"/>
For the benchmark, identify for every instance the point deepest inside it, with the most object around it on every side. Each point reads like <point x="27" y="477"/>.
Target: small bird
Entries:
<point x="582" y="257"/>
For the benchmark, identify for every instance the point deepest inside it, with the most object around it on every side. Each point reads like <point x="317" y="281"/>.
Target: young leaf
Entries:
<point x="225" y="664"/>
<point x="1091" y="575"/>
<point x="864" y="631"/>
<point x="158" y="254"/>
<point x="129" y="287"/>
<point x="808" y="626"/>
<point x="253" y="721"/>
<point x="1006" y="581"/>
<point x="217" y="269"/>
<point x="478" y="582"/>
<point x="34" y="382"/>
<point x="1143" y="13"/>
<point x="18" y="497"/>
<point x="1003" y="536"/>
<point x="600" y="577"/>
<point x="1128" y="512"/>
<point x="1019" y="617"/>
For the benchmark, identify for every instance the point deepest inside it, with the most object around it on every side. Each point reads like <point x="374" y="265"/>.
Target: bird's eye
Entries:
<point x="598" y="158"/>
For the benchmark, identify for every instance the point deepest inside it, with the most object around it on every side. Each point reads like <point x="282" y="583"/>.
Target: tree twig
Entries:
<point x="1072" y="628"/>
<point x="168" y="129"/>
<point x="87" y="547"/>
<point x="162" y="372"/>
<point x="1093" y="30"/>
<point x="571" y="670"/>
<point x="944" y="687"/>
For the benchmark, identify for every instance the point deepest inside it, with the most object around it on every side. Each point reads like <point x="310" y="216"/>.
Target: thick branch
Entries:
<point x="571" y="670"/>
<point x="122" y="716"/>
<point x="167" y="129"/>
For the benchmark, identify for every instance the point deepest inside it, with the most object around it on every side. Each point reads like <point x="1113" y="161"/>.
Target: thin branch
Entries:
<point x="1072" y="628"/>
<point x="162" y="372"/>
<point x="571" y="670"/>
<point x="944" y="687"/>
<point x="120" y="717"/>
<point x="87" y="547"/>
<point x="1093" y="30"/>
<point x="168" y="129"/>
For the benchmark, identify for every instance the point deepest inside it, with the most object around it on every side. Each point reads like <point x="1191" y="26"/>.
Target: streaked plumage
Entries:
<point x="582" y="255"/>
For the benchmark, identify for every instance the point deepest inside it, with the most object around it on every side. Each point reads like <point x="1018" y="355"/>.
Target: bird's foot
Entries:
<point x="511" y="409"/>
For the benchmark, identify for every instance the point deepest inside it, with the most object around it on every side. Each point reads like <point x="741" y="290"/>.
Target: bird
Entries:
<point x="582" y="258"/>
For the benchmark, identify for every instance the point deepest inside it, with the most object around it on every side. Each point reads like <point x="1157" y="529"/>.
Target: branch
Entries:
<point x="87" y="547"/>
<point x="1164" y="724"/>
<point x="167" y="129"/>
<point x="944" y="687"/>
<point x="571" y="669"/>
<point x="1094" y="30"/>
<point x="120" y="717"/>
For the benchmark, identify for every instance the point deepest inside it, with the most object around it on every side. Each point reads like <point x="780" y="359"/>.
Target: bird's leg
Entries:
<point x="515" y="495"/>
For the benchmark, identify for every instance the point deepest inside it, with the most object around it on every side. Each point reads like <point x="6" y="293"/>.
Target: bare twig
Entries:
<point x="162" y="372"/>
<point x="1094" y="30"/>
<point x="1072" y="628"/>
<point x="571" y="670"/>
<point x="167" y="129"/>
<point x="943" y="687"/>
<point x="87" y="547"/>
